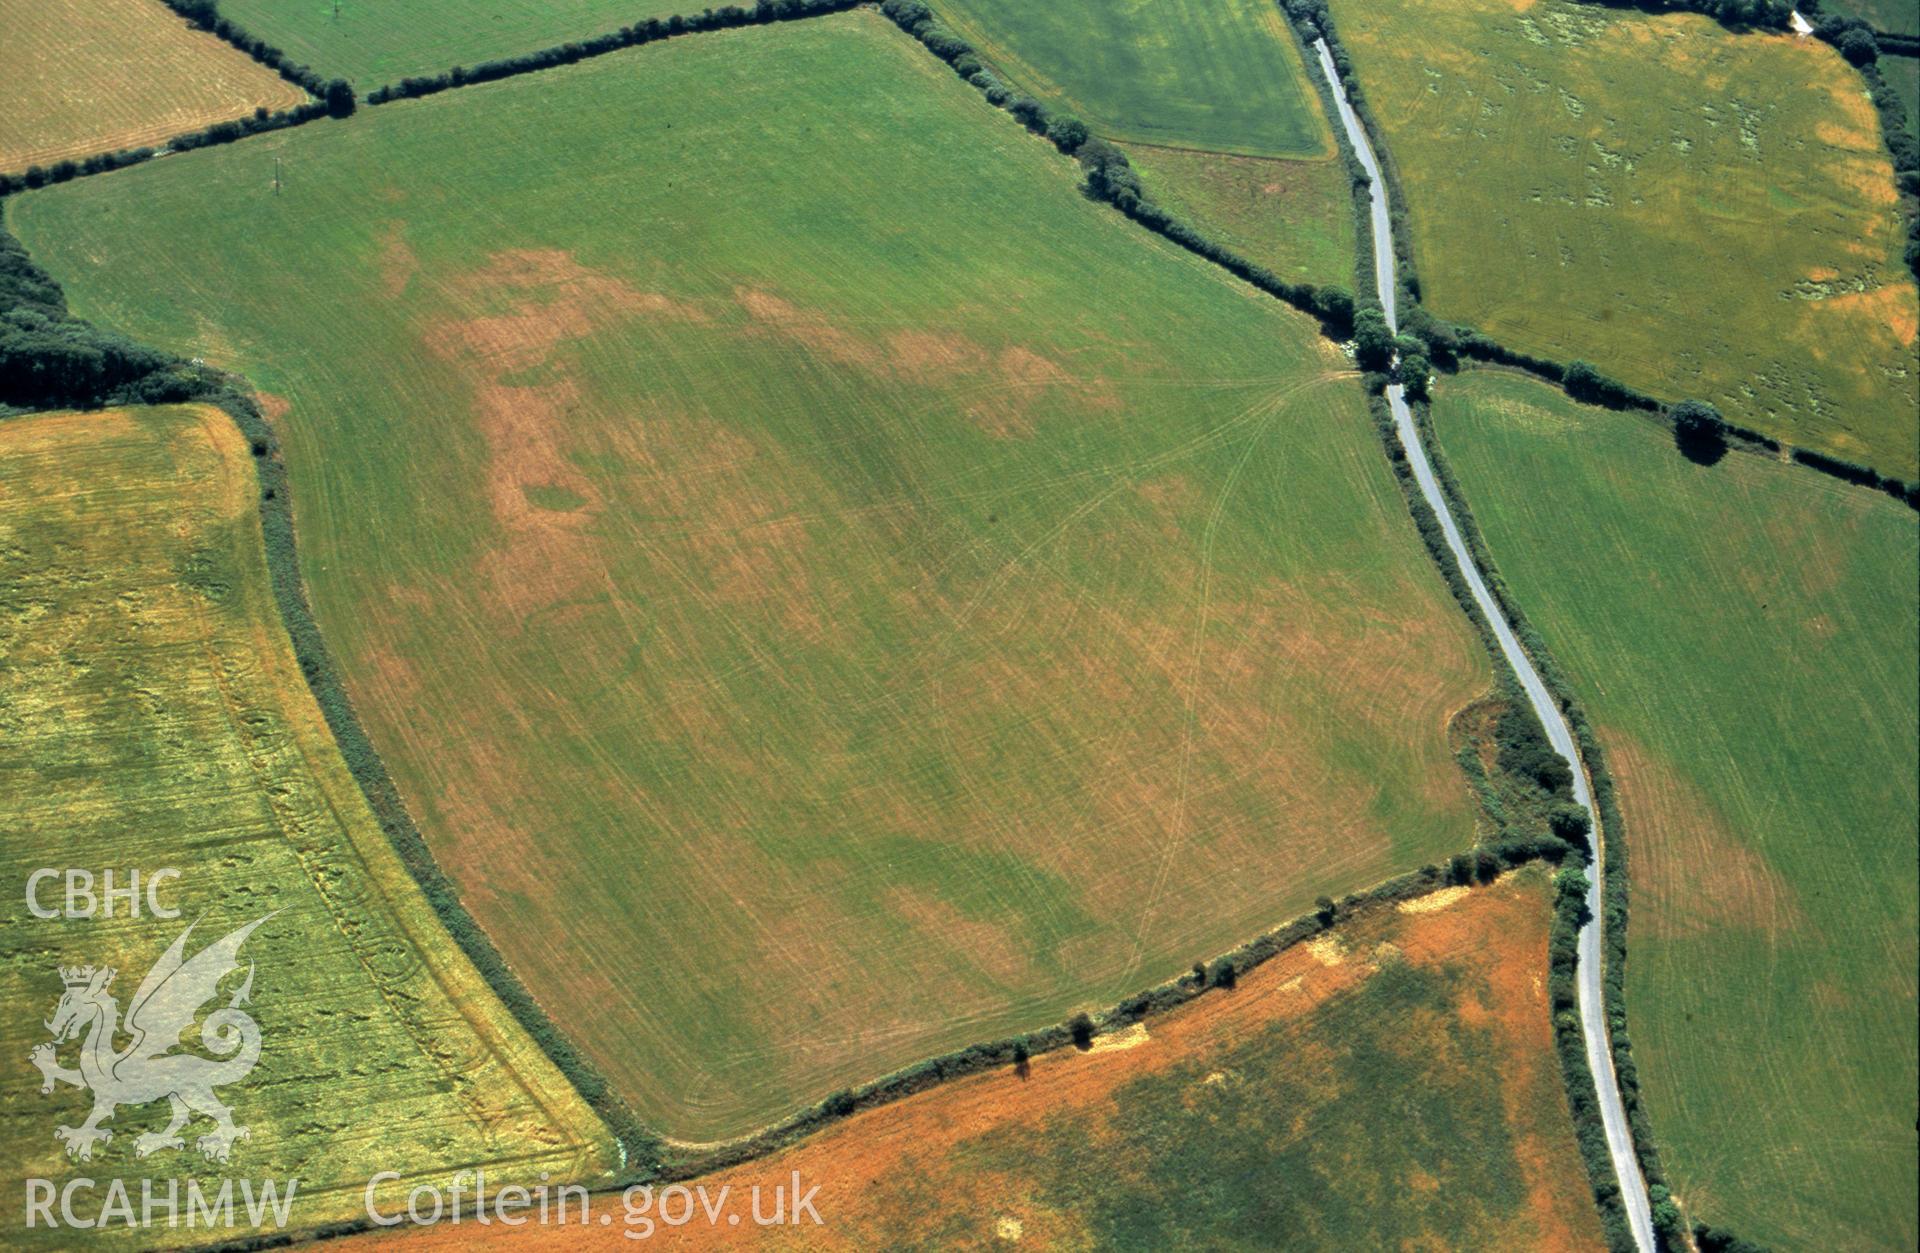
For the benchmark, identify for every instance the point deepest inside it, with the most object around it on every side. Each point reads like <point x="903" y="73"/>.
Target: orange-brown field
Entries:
<point x="1391" y="1084"/>
<point x="84" y="76"/>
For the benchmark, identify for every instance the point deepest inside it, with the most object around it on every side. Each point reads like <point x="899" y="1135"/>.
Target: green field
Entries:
<point x="1904" y="74"/>
<point x="1745" y="638"/>
<point x="1293" y="216"/>
<point x="1217" y="75"/>
<point x="1700" y="213"/>
<point x="818" y="620"/>
<point x="152" y="715"/>
<point x="1391" y="1085"/>
<point x="371" y="44"/>
<point x="1899" y="16"/>
<point x="1211" y="103"/>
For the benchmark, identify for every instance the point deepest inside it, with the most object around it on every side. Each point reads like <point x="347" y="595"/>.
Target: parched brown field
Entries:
<point x="79" y="77"/>
<point x="1391" y="1085"/>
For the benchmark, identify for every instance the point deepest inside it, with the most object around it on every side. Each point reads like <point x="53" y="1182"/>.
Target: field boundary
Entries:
<point x="1570" y="910"/>
<point x="1107" y="180"/>
<point x="638" y="1144"/>
<point x="1615" y="889"/>
<point x="1475" y="868"/>
<point x="168" y="379"/>
<point x="650" y="30"/>
<point x="67" y="169"/>
<point x="1448" y="342"/>
<point x="1110" y="176"/>
<point x="231" y="394"/>
<point x="205" y="15"/>
<point x="996" y="55"/>
<point x="1479" y="865"/>
<point x="334" y="97"/>
<point x="1313" y="20"/>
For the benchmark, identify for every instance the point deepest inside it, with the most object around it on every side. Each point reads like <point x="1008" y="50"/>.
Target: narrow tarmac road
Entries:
<point x="1633" y="1187"/>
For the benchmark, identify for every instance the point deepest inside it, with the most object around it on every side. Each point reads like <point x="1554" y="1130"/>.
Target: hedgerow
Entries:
<point x="1615" y="879"/>
<point x="1080" y="1029"/>
<point x="50" y="359"/>
<point x="205" y="15"/>
<point x="651" y="30"/>
<point x="1110" y="177"/>
<point x="259" y="122"/>
<point x="1861" y="46"/>
<point x="1737" y="15"/>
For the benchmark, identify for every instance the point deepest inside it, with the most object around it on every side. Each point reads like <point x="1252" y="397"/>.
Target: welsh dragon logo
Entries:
<point x="147" y="1069"/>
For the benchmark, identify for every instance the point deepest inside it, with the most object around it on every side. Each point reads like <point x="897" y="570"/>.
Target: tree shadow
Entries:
<point x="1703" y="448"/>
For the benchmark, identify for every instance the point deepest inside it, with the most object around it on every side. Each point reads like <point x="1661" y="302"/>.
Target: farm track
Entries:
<point x="1633" y="1186"/>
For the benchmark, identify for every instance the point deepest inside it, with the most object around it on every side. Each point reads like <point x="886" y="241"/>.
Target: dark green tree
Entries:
<point x="1583" y="382"/>
<point x="1859" y="46"/>
<point x="1414" y="373"/>
<point x="1372" y="341"/>
<point x="1067" y="132"/>
<point x="1570" y="823"/>
<point x="1699" y="432"/>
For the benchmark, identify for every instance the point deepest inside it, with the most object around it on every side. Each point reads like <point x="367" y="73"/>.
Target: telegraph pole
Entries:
<point x="276" y="176"/>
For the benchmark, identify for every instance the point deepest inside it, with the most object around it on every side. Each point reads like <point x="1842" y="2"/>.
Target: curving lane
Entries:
<point x="1633" y="1186"/>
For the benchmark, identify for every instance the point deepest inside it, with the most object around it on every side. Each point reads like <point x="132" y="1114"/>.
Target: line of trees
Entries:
<point x="260" y="122"/>
<point x="1110" y="177"/>
<point x="332" y="98"/>
<point x="643" y="1148"/>
<point x="50" y="359"/>
<point x="1733" y="14"/>
<point x="649" y="31"/>
<point x="1701" y="433"/>
<point x="1863" y="476"/>
<point x="1614" y="897"/>
<point x="1079" y="1031"/>
<point x="1447" y="345"/>
<point x="205" y="15"/>
<point x="1889" y="41"/>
